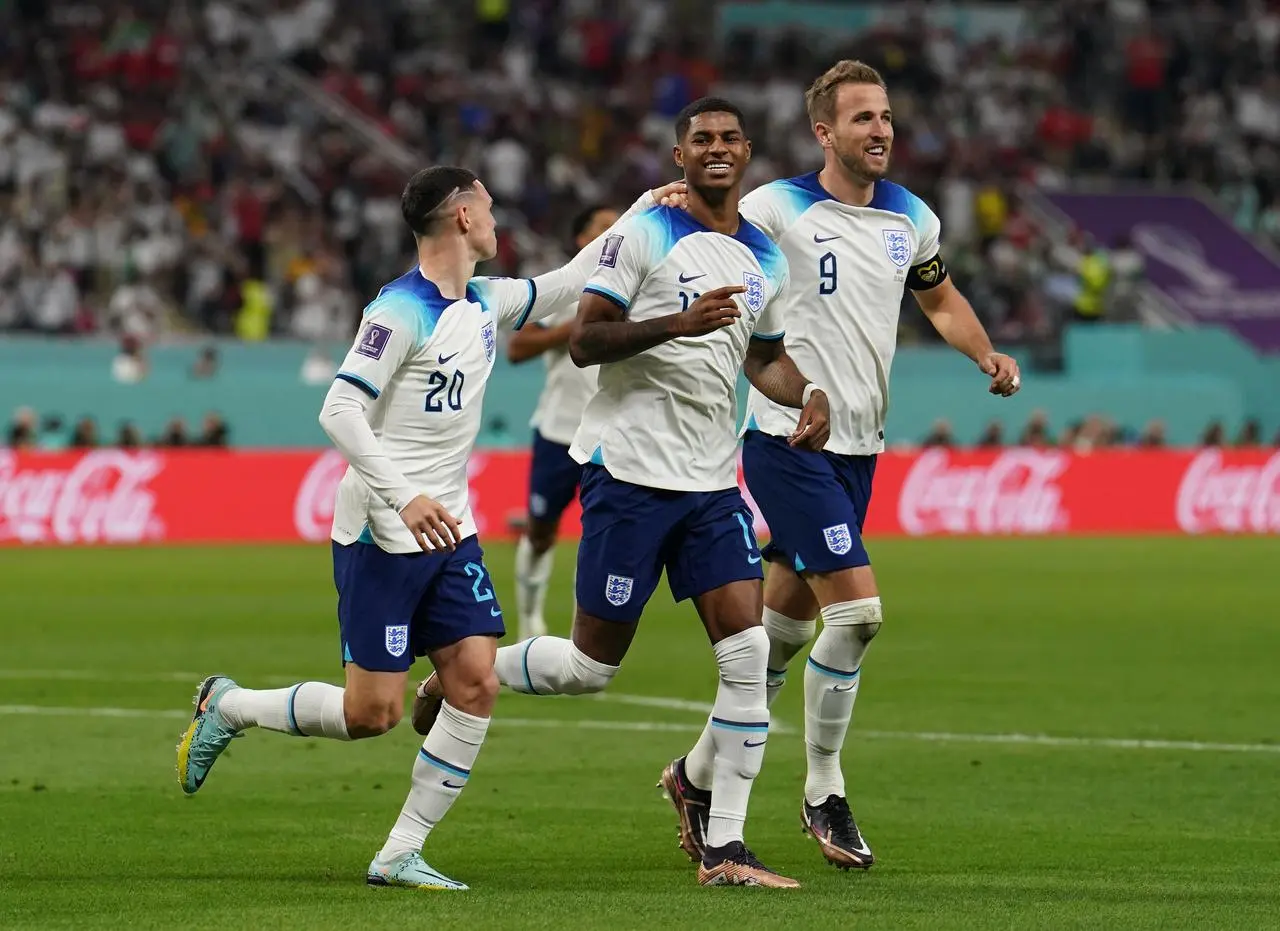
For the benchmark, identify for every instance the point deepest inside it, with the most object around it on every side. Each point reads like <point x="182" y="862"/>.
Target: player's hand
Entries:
<point x="814" y="427"/>
<point x="671" y="195"/>
<point x="432" y="526"/>
<point x="1006" y="377"/>
<point x="710" y="312"/>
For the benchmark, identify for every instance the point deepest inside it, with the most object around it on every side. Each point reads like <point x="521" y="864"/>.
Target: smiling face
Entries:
<point x="860" y="132"/>
<point x="714" y="152"/>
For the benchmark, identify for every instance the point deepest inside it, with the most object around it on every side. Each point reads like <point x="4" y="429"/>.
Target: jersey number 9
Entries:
<point x="438" y="382"/>
<point x="828" y="277"/>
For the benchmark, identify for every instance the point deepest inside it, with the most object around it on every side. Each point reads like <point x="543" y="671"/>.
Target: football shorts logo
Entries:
<point x="373" y="340"/>
<point x="489" y="340"/>
<point x="898" y="244"/>
<point x="397" y="639"/>
<point x="609" y="254"/>
<point x="617" y="591"/>
<point x="754" y="295"/>
<point x="839" y="539"/>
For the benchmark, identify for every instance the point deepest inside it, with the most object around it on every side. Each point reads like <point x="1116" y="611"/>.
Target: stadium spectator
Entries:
<point x="1152" y="436"/>
<point x="22" y="429"/>
<point x="129" y="437"/>
<point x="130" y="364"/>
<point x="53" y="435"/>
<point x="174" y="435"/>
<point x="206" y="364"/>
<point x="1036" y="431"/>
<point x="85" y="434"/>
<point x="214" y="432"/>
<point x="992" y="436"/>
<point x="939" y="435"/>
<point x="1214" y="435"/>
<point x="1250" y="435"/>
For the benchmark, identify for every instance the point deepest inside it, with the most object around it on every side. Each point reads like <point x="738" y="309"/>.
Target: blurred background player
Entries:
<point x="680" y="303"/>
<point x="553" y="474"/>
<point x="853" y="242"/>
<point x="405" y="410"/>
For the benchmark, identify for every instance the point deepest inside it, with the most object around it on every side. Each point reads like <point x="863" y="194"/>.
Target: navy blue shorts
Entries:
<point x="393" y="607"/>
<point x="553" y="479"/>
<point x="630" y="533"/>
<point x="814" y="503"/>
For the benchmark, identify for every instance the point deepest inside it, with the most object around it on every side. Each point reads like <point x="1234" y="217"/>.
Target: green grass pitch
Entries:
<point x="561" y="826"/>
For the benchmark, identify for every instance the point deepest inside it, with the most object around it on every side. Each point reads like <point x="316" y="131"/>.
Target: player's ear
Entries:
<point x="822" y="132"/>
<point x="462" y="217"/>
<point x="678" y="155"/>
<point x="748" y="149"/>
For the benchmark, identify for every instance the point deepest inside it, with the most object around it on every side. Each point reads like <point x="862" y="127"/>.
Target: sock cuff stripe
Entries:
<point x="433" y="760"/>
<point x="748" y="726"/>
<point x="524" y="665"/>
<point x="293" y="718"/>
<point x="776" y="673"/>
<point x="833" y="673"/>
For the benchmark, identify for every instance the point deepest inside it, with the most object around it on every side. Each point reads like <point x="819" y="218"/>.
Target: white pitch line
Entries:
<point x="1044" y="740"/>
<point x="568" y="723"/>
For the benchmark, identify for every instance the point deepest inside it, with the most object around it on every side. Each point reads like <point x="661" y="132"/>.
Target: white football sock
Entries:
<point x="550" y="666"/>
<point x="787" y="637"/>
<point x="831" y="678"/>
<point x="309" y="709"/>
<point x="533" y="572"/>
<point x="439" y="774"/>
<point x="740" y="729"/>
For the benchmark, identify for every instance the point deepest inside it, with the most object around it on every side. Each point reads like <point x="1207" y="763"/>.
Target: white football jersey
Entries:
<point x="665" y="418"/>
<point x="849" y="267"/>
<point x="567" y="389"/>
<point x="425" y="359"/>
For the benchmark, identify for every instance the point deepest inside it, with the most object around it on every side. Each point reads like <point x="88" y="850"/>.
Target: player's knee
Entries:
<point x="861" y="618"/>
<point x="583" y="675"/>
<point x="542" y="536"/>
<point x="372" y="717"/>
<point x="743" y="658"/>
<point x="475" y="694"/>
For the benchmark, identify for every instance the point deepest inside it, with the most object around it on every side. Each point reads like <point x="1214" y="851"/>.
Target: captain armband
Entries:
<point x="927" y="275"/>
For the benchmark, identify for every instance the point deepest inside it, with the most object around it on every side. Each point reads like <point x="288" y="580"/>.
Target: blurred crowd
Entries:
<point x="53" y="433"/>
<point x="1096" y="431"/>
<point x="234" y="165"/>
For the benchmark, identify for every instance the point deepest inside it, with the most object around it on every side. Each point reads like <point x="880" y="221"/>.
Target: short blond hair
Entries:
<point x="820" y="98"/>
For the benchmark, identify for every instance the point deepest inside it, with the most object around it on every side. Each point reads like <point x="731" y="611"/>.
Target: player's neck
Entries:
<point x="720" y="216"/>
<point x="844" y="187"/>
<point x="447" y="265"/>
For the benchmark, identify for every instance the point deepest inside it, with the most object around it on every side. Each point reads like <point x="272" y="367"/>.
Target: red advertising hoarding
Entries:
<point x="245" y="496"/>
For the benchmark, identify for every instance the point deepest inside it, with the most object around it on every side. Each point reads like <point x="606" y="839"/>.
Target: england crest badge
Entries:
<point x="489" y="340"/>
<point x="754" y="296"/>
<point x="397" y="639"/>
<point x="617" y="590"/>
<point x="839" y="539"/>
<point x="898" y="244"/>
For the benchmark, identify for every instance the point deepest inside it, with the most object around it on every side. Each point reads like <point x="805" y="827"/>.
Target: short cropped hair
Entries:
<point x="820" y="98"/>
<point x="705" y="105"/>
<point x="584" y="217"/>
<point x="427" y="190"/>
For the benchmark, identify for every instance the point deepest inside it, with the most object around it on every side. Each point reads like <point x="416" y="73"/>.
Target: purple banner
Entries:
<point x="1205" y="268"/>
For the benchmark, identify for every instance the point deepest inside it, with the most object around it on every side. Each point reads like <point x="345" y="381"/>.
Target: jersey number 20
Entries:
<point x="437" y="382"/>
<point x="828" y="276"/>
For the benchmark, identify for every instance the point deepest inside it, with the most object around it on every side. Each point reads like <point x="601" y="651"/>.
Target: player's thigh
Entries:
<point x="465" y="670"/>
<point x="459" y="602"/>
<point x="787" y="593"/>
<point x="814" y="520"/>
<point x="553" y="481"/>
<point x="717" y="563"/>
<point x="604" y="641"/>
<point x="624" y="532"/>
<point x="843" y="585"/>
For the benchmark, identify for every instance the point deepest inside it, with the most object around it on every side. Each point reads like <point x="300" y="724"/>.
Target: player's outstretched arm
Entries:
<point x="775" y="375"/>
<point x="602" y="333"/>
<point x="953" y="317"/>
<point x="532" y="341"/>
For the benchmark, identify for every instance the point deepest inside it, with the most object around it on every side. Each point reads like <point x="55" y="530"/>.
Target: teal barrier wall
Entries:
<point x="1185" y="378"/>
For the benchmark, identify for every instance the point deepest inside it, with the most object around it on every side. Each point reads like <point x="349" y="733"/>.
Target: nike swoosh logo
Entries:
<point x="847" y="688"/>
<point x="442" y="360"/>
<point x="495" y="612"/>
<point x="450" y="785"/>
<point x="758" y="743"/>
<point x="817" y="238"/>
<point x="752" y="560"/>
<point x="685" y="279"/>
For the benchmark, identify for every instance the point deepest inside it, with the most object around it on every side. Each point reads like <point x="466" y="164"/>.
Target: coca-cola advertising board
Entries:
<point x="152" y="496"/>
